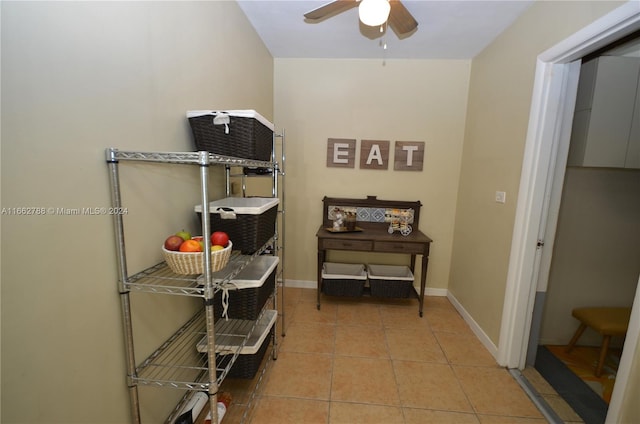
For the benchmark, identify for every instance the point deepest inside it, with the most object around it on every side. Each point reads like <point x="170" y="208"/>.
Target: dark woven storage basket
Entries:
<point x="248" y="138"/>
<point x="247" y="365"/>
<point x="342" y="287"/>
<point x="390" y="281"/>
<point x="391" y="288"/>
<point x="248" y="232"/>
<point x="343" y="279"/>
<point x="246" y="303"/>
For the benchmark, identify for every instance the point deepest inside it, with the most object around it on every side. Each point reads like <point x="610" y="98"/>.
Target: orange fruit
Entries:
<point x="190" y="246"/>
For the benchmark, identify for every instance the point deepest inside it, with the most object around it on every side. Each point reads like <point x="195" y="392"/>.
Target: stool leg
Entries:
<point x="575" y="337"/>
<point x="603" y="354"/>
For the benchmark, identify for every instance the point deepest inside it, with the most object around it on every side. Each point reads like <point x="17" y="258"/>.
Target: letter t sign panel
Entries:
<point x="409" y="156"/>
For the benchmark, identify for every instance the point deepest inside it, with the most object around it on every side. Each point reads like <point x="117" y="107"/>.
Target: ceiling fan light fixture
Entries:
<point x="374" y="12"/>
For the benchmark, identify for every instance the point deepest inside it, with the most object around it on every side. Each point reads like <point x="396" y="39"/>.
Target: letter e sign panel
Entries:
<point x="409" y="156"/>
<point x="341" y="153"/>
<point x="374" y="154"/>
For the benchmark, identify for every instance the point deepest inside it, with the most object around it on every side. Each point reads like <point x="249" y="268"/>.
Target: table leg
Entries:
<point x="321" y="256"/>
<point x="423" y="280"/>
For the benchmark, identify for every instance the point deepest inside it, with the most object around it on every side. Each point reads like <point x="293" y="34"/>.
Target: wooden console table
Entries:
<point x="374" y="237"/>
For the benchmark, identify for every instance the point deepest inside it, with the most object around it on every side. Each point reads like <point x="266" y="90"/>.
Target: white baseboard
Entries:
<point x="435" y="292"/>
<point x="306" y="284"/>
<point x="301" y="284"/>
<point x="477" y="330"/>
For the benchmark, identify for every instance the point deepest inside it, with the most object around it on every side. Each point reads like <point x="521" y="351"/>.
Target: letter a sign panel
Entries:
<point x="374" y="154"/>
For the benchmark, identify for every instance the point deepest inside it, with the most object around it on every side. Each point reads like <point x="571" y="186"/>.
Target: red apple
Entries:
<point x="173" y="243"/>
<point x="219" y="238"/>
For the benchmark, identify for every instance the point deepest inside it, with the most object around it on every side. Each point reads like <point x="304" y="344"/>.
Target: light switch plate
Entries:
<point x="501" y="196"/>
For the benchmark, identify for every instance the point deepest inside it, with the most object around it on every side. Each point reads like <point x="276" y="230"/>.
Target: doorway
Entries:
<point x="546" y="152"/>
<point x="595" y="246"/>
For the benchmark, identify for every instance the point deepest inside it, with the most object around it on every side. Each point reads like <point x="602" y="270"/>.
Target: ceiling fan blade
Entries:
<point x="400" y="19"/>
<point x="330" y="9"/>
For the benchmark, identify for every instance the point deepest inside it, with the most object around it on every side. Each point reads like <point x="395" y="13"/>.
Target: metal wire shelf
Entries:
<point x="177" y="362"/>
<point x="195" y="158"/>
<point x="160" y="279"/>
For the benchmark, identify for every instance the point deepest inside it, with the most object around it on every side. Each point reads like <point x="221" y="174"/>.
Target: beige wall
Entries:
<point x="499" y="100"/>
<point x="78" y="77"/>
<point x="416" y="100"/>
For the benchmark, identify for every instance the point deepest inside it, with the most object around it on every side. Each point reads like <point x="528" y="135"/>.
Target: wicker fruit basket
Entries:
<point x="189" y="263"/>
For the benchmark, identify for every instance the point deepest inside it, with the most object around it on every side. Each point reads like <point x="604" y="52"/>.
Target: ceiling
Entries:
<point x="448" y="29"/>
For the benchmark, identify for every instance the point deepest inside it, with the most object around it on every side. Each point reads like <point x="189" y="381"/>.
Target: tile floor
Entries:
<point x="376" y="361"/>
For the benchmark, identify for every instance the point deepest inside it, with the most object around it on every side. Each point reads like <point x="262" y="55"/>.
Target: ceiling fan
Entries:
<point x="391" y="11"/>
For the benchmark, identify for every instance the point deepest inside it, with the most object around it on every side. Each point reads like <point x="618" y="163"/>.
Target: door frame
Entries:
<point x="552" y="99"/>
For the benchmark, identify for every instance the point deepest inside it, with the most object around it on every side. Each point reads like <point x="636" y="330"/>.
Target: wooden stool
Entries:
<point x="609" y="322"/>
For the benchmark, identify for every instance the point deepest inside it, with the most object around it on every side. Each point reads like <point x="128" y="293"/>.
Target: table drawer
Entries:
<point x="399" y="247"/>
<point x="365" y="245"/>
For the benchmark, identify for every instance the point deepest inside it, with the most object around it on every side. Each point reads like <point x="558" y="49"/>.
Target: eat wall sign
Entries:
<point x="374" y="154"/>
